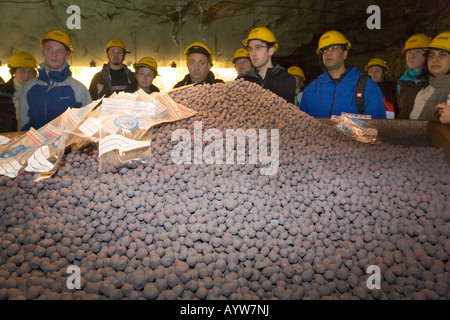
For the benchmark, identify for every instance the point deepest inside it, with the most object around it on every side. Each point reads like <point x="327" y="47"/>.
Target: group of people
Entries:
<point x="30" y="100"/>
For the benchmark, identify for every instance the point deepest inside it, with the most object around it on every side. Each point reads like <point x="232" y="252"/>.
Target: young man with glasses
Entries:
<point x="261" y="45"/>
<point x="46" y="97"/>
<point x="334" y="91"/>
<point x="199" y="61"/>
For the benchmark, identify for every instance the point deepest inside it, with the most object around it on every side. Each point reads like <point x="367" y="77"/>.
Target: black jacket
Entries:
<point x="8" y="121"/>
<point x="101" y="83"/>
<point x="277" y="80"/>
<point x="210" y="79"/>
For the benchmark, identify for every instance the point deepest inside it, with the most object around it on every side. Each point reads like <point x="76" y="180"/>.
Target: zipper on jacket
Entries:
<point x="332" y="101"/>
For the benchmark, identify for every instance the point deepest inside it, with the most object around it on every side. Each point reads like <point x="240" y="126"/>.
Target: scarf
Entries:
<point x="441" y="92"/>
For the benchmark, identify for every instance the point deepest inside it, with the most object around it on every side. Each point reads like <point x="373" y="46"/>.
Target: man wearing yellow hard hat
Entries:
<point x="22" y="67"/>
<point x="242" y="62"/>
<point x="262" y="44"/>
<point x="46" y="97"/>
<point x="415" y="78"/>
<point x="114" y="76"/>
<point x="145" y="72"/>
<point x="199" y="60"/>
<point x="340" y="88"/>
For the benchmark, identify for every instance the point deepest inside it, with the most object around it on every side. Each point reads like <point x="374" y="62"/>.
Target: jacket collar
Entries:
<point x="55" y="76"/>
<point x="270" y="71"/>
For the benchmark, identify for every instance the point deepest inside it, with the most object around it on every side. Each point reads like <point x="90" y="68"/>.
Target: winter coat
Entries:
<point x="8" y="121"/>
<point x="102" y="85"/>
<point x="409" y="84"/>
<point x="388" y="88"/>
<point x="210" y="79"/>
<point x="437" y="92"/>
<point x="277" y="80"/>
<point x="325" y="97"/>
<point x="46" y="97"/>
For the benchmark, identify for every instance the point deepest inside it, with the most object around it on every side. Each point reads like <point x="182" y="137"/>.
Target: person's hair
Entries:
<point x="198" y="49"/>
<point x="12" y="71"/>
<point x="47" y="40"/>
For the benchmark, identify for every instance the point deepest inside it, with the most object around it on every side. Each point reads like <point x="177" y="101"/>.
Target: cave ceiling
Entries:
<point x="163" y="29"/>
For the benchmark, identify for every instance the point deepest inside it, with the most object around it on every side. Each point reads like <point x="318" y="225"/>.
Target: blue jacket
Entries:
<point x="48" y="96"/>
<point x="323" y="98"/>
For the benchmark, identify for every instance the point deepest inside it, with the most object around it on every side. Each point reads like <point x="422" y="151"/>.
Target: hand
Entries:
<point x="443" y="111"/>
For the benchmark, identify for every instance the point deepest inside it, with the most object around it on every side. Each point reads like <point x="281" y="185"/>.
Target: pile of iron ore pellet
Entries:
<point x="289" y="209"/>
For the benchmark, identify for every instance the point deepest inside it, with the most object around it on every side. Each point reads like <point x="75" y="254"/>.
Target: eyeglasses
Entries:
<point x="330" y="49"/>
<point x="255" y="48"/>
<point x="440" y="55"/>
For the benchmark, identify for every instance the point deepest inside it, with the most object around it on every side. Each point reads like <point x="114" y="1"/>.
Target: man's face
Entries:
<point x="334" y="56"/>
<point x="116" y="55"/>
<point x="144" y="77"/>
<point x="198" y="66"/>
<point x="415" y="58"/>
<point x="242" y="66"/>
<point x="55" y="54"/>
<point x="260" y="54"/>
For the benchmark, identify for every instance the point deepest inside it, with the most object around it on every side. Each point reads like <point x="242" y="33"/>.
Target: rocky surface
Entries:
<point x="161" y="230"/>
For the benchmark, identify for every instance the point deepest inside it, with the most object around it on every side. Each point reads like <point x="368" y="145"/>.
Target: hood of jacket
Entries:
<point x="270" y="71"/>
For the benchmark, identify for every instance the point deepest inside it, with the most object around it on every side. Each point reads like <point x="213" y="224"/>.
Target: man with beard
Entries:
<point x="115" y="76"/>
<point x="335" y="91"/>
<point x="262" y="45"/>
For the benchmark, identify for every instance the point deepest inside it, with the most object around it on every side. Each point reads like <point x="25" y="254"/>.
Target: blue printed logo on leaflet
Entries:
<point x="359" y="122"/>
<point x="126" y="122"/>
<point x="12" y="152"/>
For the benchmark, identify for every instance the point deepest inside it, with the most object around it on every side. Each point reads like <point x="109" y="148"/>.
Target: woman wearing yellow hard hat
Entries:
<point x="378" y="70"/>
<point x="297" y="72"/>
<point x="146" y="71"/>
<point x="414" y="79"/>
<point x="432" y="101"/>
<point x="22" y="67"/>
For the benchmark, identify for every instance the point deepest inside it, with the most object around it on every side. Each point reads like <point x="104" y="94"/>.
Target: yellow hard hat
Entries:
<point x="60" y="36"/>
<point x="377" y="62"/>
<point x="263" y="34"/>
<point x="296" y="71"/>
<point x="333" y="37"/>
<point x="116" y="43"/>
<point x="148" y="63"/>
<point x="194" y="47"/>
<point x="417" y="41"/>
<point x="22" y="60"/>
<point x="441" y="41"/>
<point x="240" y="53"/>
